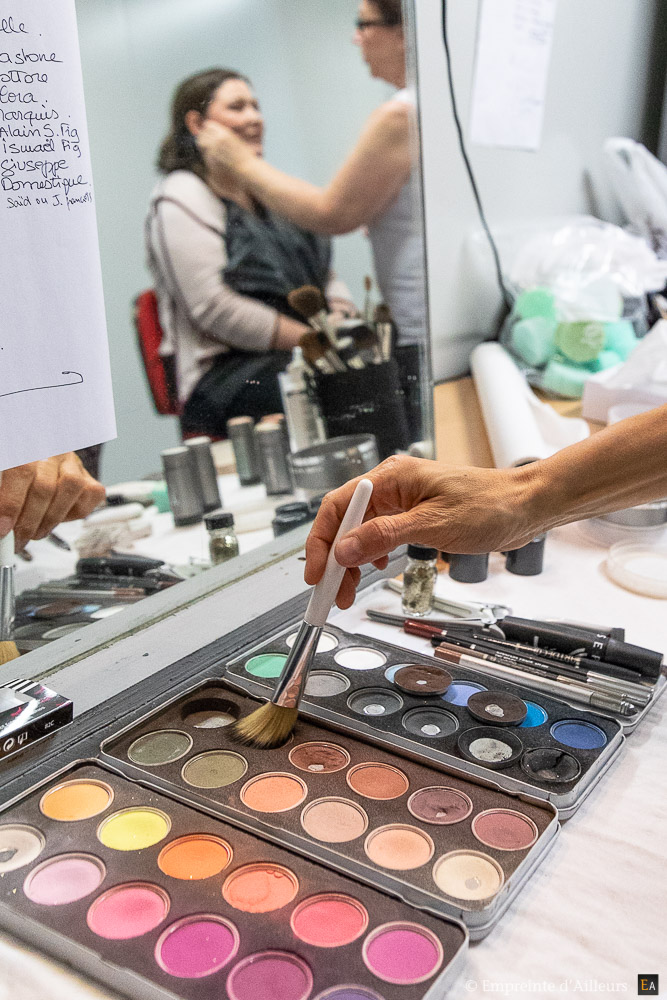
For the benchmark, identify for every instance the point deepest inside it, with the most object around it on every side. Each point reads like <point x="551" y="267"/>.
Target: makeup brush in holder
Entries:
<point x="270" y="725"/>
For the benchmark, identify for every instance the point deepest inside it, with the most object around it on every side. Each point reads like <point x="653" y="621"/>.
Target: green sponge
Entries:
<point x="564" y="380"/>
<point x="533" y="339"/>
<point x="604" y="360"/>
<point x="580" y="342"/>
<point x="620" y="337"/>
<point x="535" y="302"/>
<point x="161" y="498"/>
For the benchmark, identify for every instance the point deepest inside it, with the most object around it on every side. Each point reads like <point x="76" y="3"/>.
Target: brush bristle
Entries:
<point x="8" y="651"/>
<point x="267" y="727"/>
<point x="307" y="301"/>
<point x="382" y="314"/>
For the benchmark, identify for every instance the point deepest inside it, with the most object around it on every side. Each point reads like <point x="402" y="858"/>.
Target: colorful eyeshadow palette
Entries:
<point x="523" y="741"/>
<point x="160" y="901"/>
<point x="424" y="833"/>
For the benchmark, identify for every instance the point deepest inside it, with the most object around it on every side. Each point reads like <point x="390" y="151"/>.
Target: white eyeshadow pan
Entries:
<point x="360" y="658"/>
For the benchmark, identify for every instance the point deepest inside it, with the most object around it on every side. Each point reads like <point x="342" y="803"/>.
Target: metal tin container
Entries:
<point x="241" y="432"/>
<point x="273" y="447"/>
<point x="202" y="456"/>
<point x="326" y="466"/>
<point x="182" y="486"/>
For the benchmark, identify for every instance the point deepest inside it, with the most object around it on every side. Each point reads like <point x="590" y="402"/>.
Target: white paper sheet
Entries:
<point x="511" y="69"/>
<point x="55" y="383"/>
<point x="521" y="428"/>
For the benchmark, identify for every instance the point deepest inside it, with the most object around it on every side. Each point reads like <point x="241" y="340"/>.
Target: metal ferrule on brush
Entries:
<point x="7" y="603"/>
<point x="292" y="681"/>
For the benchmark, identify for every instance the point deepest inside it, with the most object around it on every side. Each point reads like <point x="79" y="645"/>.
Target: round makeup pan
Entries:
<point x="325" y="644"/>
<point x="535" y="716"/>
<point x="134" y="829"/>
<point x="276" y="974"/>
<point x="197" y="946"/>
<point x="504" y="830"/>
<point x="459" y="692"/>
<point x="260" y="888"/>
<point x="402" y="953"/>
<point x="266" y="665"/>
<point x="325" y="684"/>
<point x="349" y="993"/>
<point x="159" y="748"/>
<point x="422" y="679"/>
<point x="329" y="920"/>
<point x="551" y="764"/>
<point x="76" y="800"/>
<point x="497" y="708"/>
<point x="209" y="713"/>
<point x="128" y="911"/>
<point x="491" y="747"/>
<point x="468" y="875"/>
<point x="214" y="769"/>
<point x="374" y="702"/>
<point x="19" y="846"/>
<point x="274" y="792"/>
<point x="64" y="879"/>
<point x="440" y="805"/>
<point x="578" y="734"/>
<point x="195" y="857"/>
<point x="360" y="658"/>
<point x="399" y="847"/>
<point x="334" y="820"/>
<point x="377" y="781"/>
<point x="433" y="723"/>
<point x="319" y="758"/>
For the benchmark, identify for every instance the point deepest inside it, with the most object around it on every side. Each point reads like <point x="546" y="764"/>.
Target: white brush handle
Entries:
<point x="324" y="593"/>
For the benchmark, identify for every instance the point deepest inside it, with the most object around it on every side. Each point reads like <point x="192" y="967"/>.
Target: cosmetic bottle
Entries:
<point x="304" y="420"/>
<point x="419" y="579"/>
<point x="222" y="541"/>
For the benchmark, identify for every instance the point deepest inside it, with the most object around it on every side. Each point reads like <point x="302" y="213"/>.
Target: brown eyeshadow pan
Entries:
<point x="419" y="678"/>
<point x="319" y="758"/>
<point x="377" y="781"/>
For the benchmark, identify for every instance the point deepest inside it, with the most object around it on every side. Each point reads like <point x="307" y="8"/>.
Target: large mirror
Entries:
<point x="316" y="94"/>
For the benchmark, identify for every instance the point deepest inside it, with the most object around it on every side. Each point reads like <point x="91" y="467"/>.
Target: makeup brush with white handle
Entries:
<point x="270" y="725"/>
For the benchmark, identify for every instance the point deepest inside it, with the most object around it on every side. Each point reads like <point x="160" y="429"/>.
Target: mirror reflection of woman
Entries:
<point x="223" y="264"/>
<point x="375" y="187"/>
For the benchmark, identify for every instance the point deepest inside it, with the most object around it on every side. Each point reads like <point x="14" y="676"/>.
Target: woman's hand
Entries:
<point x="36" y="497"/>
<point x="415" y="500"/>
<point x="222" y="149"/>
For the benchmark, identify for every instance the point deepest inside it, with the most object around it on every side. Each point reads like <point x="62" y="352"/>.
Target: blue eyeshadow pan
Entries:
<point x="459" y="691"/>
<point x="535" y="716"/>
<point x="578" y="734"/>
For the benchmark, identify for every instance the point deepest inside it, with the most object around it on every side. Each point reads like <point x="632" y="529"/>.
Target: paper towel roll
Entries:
<point x="521" y="427"/>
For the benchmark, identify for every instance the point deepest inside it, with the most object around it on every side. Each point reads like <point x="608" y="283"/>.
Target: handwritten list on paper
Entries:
<point x="55" y="382"/>
<point x="511" y="71"/>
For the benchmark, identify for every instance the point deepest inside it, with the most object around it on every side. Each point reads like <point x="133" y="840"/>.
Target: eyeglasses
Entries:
<point x="361" y="25"/>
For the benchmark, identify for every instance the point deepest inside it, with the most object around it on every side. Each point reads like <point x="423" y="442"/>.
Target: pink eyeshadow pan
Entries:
<point x="64" y="879"/>
<point x="128" y="911"/>
<point x="505" y="830"/>
<point x="197" y="946"/>
<point x="403" y="953"/>
<point x="270" y="975"/>
<point x="330" y="920"/>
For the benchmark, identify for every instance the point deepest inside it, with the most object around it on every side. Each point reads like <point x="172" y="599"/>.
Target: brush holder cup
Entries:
<point x="365" y="401"/>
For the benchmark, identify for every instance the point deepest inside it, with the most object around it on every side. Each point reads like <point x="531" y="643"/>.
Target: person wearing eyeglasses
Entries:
<point x="376" y="186"/>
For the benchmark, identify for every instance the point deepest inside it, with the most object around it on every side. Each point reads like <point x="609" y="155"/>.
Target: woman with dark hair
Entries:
<point x="223" y="264"/>
<point x="375" y="187"/>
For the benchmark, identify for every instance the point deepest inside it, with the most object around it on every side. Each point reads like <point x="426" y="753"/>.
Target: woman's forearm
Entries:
<point x="621" y="466"/>
<point x="296" y="199"/>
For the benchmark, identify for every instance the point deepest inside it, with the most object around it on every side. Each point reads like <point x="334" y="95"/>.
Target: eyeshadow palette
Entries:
<point x="455" y="716"/>
<point x="425" y="833"/>
<point x="157" y="900"/>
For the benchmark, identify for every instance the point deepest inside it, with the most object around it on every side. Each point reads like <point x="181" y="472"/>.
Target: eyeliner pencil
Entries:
<point x="639" y="695"/>
<point x="521" y="661"/>
<point x="570" y="690"/>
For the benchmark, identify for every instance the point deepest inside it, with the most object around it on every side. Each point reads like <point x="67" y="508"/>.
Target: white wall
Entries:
<point x="598" y="85"/>
<point x="315" y="92"/>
